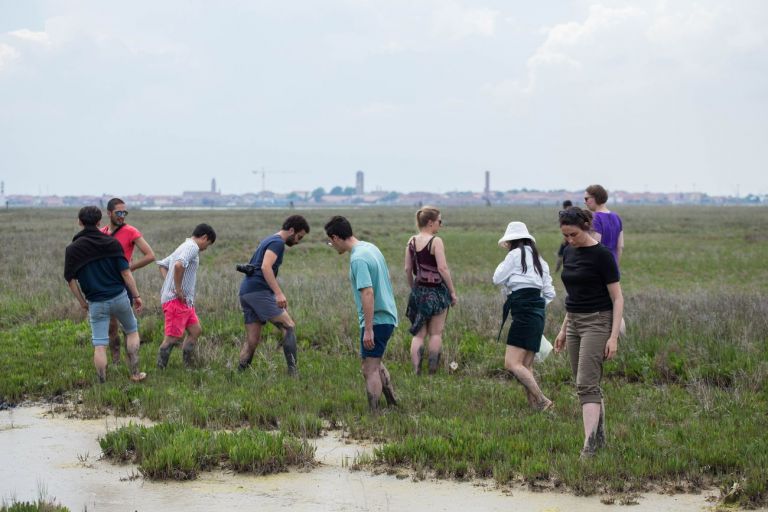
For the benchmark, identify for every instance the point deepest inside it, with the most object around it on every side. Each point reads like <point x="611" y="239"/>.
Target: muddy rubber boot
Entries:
<point x="163" y="355"/>
<point x="386" y="387"/>
<point x="102" y="376"/>
<point x="590" y="447"/>
<point x="289" y="351"/>
<point x="188" y="354"/>
<point x="434" y="363"/>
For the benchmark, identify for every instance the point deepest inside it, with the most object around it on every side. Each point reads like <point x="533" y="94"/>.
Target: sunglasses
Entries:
<point x="568" y="214"/>
<point x="122" y="213"/>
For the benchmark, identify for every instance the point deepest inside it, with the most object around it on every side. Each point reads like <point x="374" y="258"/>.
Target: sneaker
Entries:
<point x="138" y="377"/>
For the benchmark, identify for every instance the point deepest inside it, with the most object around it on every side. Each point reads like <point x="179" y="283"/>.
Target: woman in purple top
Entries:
<point x="607" y="226"/>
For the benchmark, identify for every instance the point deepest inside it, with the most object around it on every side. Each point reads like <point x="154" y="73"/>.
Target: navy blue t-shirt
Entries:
<point x="256" y="282"/>
<point x="587" y="272"/>
<point x="101" y="280"/>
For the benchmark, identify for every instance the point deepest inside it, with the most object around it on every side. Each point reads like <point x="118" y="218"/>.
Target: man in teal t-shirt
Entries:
<point x="375" y="302"/>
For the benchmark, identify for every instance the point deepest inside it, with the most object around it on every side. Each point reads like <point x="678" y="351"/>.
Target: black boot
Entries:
<point x="188" y="354"/>
<point x="163" y="355"/>
<point x="434" y="362"/>
<point x="290" y="352"/>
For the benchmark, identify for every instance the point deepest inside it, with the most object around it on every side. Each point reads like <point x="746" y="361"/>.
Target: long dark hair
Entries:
<point x="520" y="243"/>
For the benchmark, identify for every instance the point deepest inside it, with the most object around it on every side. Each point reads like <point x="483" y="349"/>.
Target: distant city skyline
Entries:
<point x="159" y="97"/>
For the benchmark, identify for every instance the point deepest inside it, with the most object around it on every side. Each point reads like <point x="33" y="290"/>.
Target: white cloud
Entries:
<point x="32" y="36"/>
<point x="8" y="54"/>
<point x="456" y="22"/>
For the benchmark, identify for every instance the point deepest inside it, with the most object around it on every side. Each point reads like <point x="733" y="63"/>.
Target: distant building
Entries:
<point x="213" y="185"/>
<point x="359" y="183"/>
<point x="487" y="190"/>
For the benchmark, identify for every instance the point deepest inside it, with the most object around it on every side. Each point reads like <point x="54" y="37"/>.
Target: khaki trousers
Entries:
<point x="586" y="337"/>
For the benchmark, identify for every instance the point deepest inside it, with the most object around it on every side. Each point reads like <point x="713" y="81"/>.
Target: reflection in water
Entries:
<point x="63" y="455"/>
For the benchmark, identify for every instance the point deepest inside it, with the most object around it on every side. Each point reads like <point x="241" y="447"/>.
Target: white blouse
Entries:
<point x="509" y="275"/>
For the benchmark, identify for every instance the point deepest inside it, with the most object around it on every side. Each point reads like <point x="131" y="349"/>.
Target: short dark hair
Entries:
<point x="575" y="216"/>
<point x="297" y="223"/>
<point x="114" y="202"/>
<point x="567" y="204"/>
<point x="204" y="230"/>
<point x="89" y="215"/>
<point x="599" y="193"/>
<point x="340" y="227"/>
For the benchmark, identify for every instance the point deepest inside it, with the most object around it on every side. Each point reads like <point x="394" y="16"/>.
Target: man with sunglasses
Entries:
<point x="128" y="237"/>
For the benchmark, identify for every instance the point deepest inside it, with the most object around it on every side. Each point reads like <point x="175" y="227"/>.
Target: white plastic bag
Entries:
<point x="544" y="350"/>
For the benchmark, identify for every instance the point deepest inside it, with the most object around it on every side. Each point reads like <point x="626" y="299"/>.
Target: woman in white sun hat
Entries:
<point x="524" y="279"/>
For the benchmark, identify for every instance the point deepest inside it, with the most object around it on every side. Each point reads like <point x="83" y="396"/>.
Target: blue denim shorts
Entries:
<point x="381" y="335"/>
<point x="100" y="312"/>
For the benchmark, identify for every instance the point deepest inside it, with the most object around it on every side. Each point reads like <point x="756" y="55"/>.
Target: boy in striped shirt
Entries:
<point x="178" y="295"/>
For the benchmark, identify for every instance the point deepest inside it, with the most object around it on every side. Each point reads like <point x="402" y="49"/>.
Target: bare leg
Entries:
<point x="514" y="361"/>
<point x="386" y="386"/>
<point x="591" y="416"/>
<point x="190" y="341"/>
<point x="417" y="349"/>
<point x="372" y="373"/>
<point x="132" y="341"/>
<point x="252" y="340"/>
<point x="435" y="327"/>
<point x="288" y="327"/>
<point x="528" y="363"/>
<point x="100" y="362"/>
<point x="114" y="340"/>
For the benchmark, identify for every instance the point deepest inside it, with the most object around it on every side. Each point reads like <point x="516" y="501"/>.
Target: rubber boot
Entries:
<point x="163" y="355"/>
<point x="289" y="350"/>
<point x="188" y="354"/>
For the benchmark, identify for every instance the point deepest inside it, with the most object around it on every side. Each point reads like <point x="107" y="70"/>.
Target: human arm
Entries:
<point x="409" y="264"/>
<point x="620" y="246"/>
<point x="269" y="276"/>
<point x="547" y="289"/>
<point x="146" y="250"/>
<point x="367" y="300"/>
<point x="505" y="269"/>
<point x="178" y="279"/>
<point x="442" y="268"/>
<point x="614" y="290"/>
<point x="75" y="289"/>
<point x="163" y="265"/>
<point x="560" y="339"/>
<point x="130" y="283"/>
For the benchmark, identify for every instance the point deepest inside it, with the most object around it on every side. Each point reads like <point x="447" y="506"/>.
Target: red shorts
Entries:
<point x="178" y="316"/>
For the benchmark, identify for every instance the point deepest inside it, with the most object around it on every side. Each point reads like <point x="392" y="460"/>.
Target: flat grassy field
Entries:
<point x="686" y="398"/>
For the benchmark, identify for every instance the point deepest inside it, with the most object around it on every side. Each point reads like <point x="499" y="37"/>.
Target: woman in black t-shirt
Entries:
<point x="594" y="306"/>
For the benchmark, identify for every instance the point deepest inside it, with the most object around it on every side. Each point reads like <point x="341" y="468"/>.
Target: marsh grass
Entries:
<point x="686" y="395"/>
<point x="180" y="452"/>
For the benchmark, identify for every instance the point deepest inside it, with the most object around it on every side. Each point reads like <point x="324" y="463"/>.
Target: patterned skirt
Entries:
<point x="424" y="303"/>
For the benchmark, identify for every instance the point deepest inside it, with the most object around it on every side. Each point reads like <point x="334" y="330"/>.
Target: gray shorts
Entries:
<point x="259" y="307"/>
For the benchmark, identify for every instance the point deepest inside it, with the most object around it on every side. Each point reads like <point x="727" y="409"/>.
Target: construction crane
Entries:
<point x="263" y="172"/>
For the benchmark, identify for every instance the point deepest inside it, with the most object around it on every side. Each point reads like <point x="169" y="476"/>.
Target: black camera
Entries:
<point x="246" y="268"/>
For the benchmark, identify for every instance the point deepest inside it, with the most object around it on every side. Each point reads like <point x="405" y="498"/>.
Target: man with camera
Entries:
<point x="129" y="237"/>
<point x="261" y="297"/>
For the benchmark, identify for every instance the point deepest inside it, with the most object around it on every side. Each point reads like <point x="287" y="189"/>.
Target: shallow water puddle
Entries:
<point x="43" y="451"/>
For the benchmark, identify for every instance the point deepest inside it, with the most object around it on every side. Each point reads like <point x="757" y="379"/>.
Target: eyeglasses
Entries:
<point x="587" y="198"/>
<point x="121" y="213"/>
<point x="440" y="221"/>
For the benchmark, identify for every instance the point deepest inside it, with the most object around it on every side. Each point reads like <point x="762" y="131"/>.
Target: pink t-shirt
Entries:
<point x="127" y="236"/>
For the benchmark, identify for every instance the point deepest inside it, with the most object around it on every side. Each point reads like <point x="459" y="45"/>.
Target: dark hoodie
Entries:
<point x="87" y="246"/>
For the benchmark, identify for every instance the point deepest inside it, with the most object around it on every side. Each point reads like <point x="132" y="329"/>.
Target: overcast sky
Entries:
<point x="159" y="97"/>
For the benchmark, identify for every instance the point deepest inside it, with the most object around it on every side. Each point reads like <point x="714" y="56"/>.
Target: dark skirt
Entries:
<point x="424" y="303"/>
<point x="526" y="307"/>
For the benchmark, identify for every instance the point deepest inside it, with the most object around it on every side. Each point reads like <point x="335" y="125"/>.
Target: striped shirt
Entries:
<point x="188" y="254"/>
